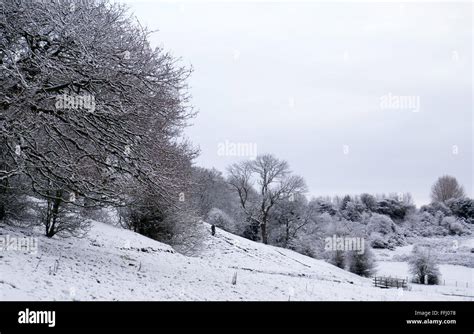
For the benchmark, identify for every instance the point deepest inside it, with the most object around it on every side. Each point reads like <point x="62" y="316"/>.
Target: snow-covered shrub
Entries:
<point x="425" y="224"/>
<point x="369" y="202"/>
<point x="323" y="205"/>
<point x="220" y="219"/>
<point x="454" y="226"/>
<point x="177" y="225"/>
<point x="462" y="208"/>
<point x="383" y="233"/>
<point x="362" y="264"/>
<point x="377" y="240"/>
<point x="434" y="207"/>
<point x="336" y="258"/>
<point x="324" y="219"/>
<point x="365" y="218"/>
<point x="187" y="231"/>
<point x="422" y="264"/>
<point x="353" y="210"/>
<point x="426" y="218"/>
<point x="251" y="230"/>
<point x="309" y="240"/>
<point x="438" y="218"/>
<point x="309" y="244"/>
<point x="382" y="224"/>
<point x="146" y="218"/>
<point x="395" y="209"/>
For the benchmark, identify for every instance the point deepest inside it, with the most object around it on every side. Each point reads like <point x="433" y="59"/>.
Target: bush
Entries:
<point x="353" y="211"/>
<point x="383" y="232"/>
<point x="62" y="218"/>
<point x="322" y="206"/>
<point x="422" y="264"/>
<point x="187" y="231"/>
<point x="378" y="241"/>
<point x="147" y="221"/>
<point x="175" y="224"/>
<point x="382" y="224"/>
<point x="337" y="258"/>
<point x="435" y="207"/>
<point x="369" y="202"/>
<point x="462" y="208"/>
<point x="361" y="264"/>
<point x="427" y="225"/>
<point x="454" y="226"/>
<point x="394" y="208"/>
<point x="251" y="230"/>
<point x="220" y="219"/>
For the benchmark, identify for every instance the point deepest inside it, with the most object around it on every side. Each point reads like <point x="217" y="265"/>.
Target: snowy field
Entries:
<point x="455" y="279"/>
<point x="116" y="264"/>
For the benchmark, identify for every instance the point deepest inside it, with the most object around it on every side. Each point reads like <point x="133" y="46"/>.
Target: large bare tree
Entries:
<point x="129" y="102"/>
<point x="262" y="183"/>
<point x="445" y="188"/>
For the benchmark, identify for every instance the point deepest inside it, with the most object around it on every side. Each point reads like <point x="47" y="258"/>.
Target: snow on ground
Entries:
<point x="455" y="279"/>
<point x="389" y="255"/>
<point x="116" y="264"/>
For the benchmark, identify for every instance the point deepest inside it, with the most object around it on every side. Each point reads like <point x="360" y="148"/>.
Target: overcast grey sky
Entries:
<point x="317" y="84"/>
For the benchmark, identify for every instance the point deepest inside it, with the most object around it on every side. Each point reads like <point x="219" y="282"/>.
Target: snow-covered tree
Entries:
<point x="289" y="219"/>
<point x="61" y="217"/>
<point x="423" y="266"/>
<point x="445" y="188"/>
<point x="381" y="224"/>
<point x="353" y="210"/>
<point x="369" y="202"/>
<point x="453" y="225"/>
<point x="337" y="258"/>
<point x="383" y="232"/>
<point x="323" y="205"/>
<point x="221" y="219"/>
<point x="361" y="263"/>
<point x="395" y="208"/>
<point x="88" y="108"/>
<point x="273" y="183"/>
<point x="210" y="193"/>
<point x="462" y="208"/>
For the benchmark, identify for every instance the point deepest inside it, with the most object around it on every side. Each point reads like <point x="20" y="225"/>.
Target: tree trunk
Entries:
<point x="287" y="234"/>
<point x="51" y="227"/>
<point x="3" y="191"/>
<point x="263" y="227"/>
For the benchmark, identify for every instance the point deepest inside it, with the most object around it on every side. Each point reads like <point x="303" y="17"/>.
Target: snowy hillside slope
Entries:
<point x="116" y="264"/>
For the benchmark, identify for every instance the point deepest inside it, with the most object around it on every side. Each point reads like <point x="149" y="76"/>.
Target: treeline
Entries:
<point x="263" y="201"/>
